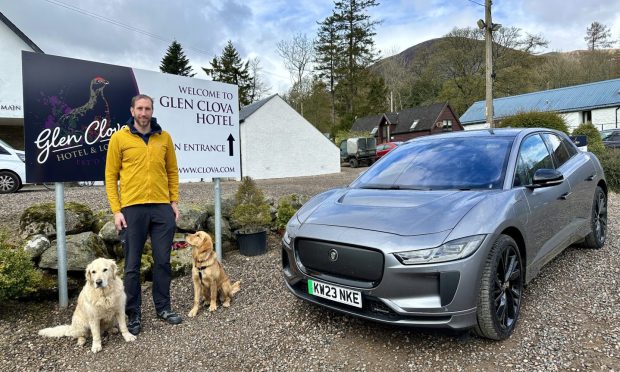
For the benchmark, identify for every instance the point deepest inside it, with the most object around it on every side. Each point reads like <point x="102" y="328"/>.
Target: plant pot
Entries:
<point x="252" y="244"/>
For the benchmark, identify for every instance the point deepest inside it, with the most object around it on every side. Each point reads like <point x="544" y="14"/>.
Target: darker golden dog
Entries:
<point x="208" y="274"/>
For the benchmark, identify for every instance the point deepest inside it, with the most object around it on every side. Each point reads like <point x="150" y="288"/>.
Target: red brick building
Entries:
<point x="409" y="123"/>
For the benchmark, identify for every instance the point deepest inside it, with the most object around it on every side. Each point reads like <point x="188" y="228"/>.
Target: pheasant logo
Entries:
<point x="95" y="109"/>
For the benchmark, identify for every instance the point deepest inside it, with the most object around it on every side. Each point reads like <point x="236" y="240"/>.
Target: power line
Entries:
<point x="116" y="23"/>
<point x="477" y="3"/>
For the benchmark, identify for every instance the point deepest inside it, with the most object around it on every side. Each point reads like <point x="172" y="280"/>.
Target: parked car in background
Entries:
<point x="358" y="150"/>
<point x="611" y="138"/>
<point x="12" y="168"/>
<point x="447" y="229"/>
<point x="384" y="148"/>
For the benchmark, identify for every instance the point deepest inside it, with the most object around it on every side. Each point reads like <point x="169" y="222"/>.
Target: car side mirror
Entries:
<point x="545" y="178"/>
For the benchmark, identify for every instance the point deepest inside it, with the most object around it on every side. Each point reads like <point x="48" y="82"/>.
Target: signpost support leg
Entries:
<point x="218" y="220"/>
<point x="63" y="297"/>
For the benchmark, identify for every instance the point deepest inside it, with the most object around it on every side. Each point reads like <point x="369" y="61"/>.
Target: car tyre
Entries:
<point x="598" y="221"/>
<point x="501" y="289"/>
<point x="353" y="163"/>
<point x="9" y="182"/>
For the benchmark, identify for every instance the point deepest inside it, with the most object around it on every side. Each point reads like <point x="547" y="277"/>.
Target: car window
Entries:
<point x="439" y="164"/>
<point x="4" y="151"/>
<point x="558" y="149"/>
<point x="533" y="155"/>
<point x="615" y="136"/>
<point x="570" y="147"/>
<point x="605" y="134"/>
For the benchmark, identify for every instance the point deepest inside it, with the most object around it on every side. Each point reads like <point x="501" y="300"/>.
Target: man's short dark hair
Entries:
<point x="140" y="96"/>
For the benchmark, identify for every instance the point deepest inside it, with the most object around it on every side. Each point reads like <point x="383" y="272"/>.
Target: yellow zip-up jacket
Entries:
<point x="148" y="172"/>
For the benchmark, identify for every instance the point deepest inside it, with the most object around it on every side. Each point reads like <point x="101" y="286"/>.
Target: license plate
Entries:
<point x="335" y="293"/>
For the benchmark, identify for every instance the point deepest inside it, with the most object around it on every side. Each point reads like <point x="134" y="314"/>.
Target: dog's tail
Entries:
<point x="58" y="331"/>
<point x="235" y="287"/>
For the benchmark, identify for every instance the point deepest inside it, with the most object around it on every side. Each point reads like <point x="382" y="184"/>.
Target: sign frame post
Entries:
<point x="61" y="246"/>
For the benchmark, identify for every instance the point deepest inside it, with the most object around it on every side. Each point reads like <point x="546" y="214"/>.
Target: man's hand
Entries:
<point x="175" y="208"/>
<point x="119" y="221"/>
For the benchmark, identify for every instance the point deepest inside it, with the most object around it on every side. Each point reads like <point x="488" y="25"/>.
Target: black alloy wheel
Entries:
<point x="501" y="290"/>
<point x="598" y="223"/>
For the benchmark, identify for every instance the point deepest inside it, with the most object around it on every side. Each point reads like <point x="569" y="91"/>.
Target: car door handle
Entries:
<point x="565" y="195"/>
<point x="591" y="178"/>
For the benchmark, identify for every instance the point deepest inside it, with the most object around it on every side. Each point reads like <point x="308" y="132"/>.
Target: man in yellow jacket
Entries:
<point x="141" y="155"/>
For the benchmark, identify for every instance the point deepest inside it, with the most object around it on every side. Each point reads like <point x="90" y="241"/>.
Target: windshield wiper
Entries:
<point x="377" y="186"/>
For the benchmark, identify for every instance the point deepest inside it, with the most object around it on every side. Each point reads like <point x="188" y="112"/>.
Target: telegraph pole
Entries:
<point x="488" y="38"/>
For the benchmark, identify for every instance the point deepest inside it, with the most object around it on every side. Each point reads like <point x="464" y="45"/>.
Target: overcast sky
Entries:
<point x="136" y="33"/>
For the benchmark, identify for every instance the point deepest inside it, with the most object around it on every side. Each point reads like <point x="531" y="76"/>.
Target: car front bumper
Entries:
<point x="441" y="295"/>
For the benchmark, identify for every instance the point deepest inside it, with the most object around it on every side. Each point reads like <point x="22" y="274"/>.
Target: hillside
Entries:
<point x="452" y="69"/>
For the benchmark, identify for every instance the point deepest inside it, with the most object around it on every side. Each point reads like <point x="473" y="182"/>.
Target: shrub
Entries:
<point x="536" y="119"/>
<point x="251" y="211"/>
<point x="285" y="211"/>
<point x="18" y="276"/>
<point x="610" y="160"/>
<point x="595" y="144"/>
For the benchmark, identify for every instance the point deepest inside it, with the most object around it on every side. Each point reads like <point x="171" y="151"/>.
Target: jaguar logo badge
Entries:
<point x="333" y="255"/>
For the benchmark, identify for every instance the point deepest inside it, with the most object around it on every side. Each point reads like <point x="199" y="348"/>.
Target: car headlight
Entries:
<point x="452" y="250"/>
<point x="291" y="228"/>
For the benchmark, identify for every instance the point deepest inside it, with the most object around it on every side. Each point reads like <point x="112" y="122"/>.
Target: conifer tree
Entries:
<point x="229" y="68"/>
<point x="598" y="36"/>
<point x="357" y="31"/>
<point x="175" y="62"/>
<point x="328" y="53"/>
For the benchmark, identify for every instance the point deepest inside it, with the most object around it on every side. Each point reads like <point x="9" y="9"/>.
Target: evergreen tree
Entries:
<point x="598" y="36"/>
<point x="357" y="35"/>
<point x="328" y="53"/>
<point x="175" y="62"/>
<point x="229" y="68"/>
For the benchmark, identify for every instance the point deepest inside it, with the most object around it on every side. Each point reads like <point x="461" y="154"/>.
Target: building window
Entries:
<point x="415" y="122"/>
<point x="374" y="131"/>
<point x="447" y="125"/>
<point x="586" y="116"/>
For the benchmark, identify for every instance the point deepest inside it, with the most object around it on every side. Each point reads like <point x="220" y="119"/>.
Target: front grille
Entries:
<point x="346" y="262"/>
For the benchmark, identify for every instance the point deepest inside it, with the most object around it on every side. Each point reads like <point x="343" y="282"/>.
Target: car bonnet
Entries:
<point x="401" y="212"/>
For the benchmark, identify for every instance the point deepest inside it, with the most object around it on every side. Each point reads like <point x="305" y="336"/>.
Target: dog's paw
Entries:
<point x="81" y="341"/>
<point x="212" y="308"/>
<point x="129" y="337"/>
<point x="113" y="330"/>
<point x="193" y="312"/>
<point x="226" y="303"/>
<point x="96" y="347"/>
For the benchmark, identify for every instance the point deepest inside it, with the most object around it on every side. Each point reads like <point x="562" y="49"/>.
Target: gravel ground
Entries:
<point x="570" y="320"/>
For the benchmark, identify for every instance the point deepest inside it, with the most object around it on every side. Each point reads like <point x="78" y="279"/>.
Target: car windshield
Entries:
<point x="462" y="163"/>
<point x="605" y="134"/>
<point x="5" y="144"/>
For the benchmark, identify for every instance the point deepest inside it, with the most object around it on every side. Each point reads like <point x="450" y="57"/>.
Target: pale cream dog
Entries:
<point x="100" y="307"/>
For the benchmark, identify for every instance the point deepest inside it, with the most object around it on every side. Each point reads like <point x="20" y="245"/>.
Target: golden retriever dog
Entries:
<point x="100" y="307"/>
<point x="208" y="274"/>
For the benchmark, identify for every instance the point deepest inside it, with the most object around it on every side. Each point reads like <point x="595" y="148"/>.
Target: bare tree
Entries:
<point x="297" y="53"/>
<point x="530" y="43"/>
<point x="598" y="36"/>
<point x="258" y="88"/>
<point x="394" y="72"/>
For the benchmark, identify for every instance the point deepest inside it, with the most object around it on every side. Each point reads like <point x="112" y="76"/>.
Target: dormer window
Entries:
<point x="415" y="122"/>
<point x="374" y="131"/>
